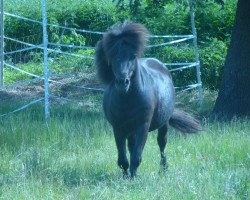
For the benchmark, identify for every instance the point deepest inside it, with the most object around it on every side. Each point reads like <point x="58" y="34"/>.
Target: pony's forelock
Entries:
<point x="133" y="35"/>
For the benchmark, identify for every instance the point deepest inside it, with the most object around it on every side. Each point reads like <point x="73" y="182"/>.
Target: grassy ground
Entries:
<point x="73" y="156"/>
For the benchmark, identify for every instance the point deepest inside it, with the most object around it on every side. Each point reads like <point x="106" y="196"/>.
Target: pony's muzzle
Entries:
<point x="122" y="84"/>
<point x="122" y="81"/>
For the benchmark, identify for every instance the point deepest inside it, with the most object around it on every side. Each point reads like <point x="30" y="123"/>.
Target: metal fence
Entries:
<point x="22" y="45"/>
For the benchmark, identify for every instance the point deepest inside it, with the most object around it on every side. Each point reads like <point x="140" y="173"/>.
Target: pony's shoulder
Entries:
<point x="154" y="64"/>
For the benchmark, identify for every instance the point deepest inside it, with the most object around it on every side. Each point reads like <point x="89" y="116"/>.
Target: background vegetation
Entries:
<point x="214" y="23"/>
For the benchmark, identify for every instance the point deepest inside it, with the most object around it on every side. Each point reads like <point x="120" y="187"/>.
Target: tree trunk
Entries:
<point x="234" y="94"/>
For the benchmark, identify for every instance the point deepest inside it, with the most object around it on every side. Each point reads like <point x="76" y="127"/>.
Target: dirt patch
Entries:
<point x="72" y="88"/>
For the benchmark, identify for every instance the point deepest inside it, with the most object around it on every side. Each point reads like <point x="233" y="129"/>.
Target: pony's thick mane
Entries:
<point x="133" y="35"/>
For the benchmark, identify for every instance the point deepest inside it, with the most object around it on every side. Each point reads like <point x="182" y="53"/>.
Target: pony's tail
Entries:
<point x="184" y="122"/>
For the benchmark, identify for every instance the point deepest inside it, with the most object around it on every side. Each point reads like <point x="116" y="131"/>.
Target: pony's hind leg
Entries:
<point x="162" y="141"/>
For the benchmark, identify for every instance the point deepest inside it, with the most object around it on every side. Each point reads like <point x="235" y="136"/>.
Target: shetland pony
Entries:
<point x="139" y="95"/>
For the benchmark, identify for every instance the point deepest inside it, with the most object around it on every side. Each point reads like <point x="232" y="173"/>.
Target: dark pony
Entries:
<point x="139" y="96"/>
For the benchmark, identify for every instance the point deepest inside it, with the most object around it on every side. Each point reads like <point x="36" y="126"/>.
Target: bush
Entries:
<point x="212" y="61"/>
<point x="73" y="65"/>
<point x="212" y="56"/>
<point x="181" y="53"/>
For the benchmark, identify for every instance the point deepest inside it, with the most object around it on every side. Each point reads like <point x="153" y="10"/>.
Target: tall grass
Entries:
<point x="73" y="156"/>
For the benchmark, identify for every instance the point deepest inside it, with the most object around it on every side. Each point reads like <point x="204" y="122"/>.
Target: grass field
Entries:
<point x="73" y="156"/>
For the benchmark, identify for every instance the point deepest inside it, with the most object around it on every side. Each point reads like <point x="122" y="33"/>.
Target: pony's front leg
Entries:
<point x="140" y="140"/>
<point x="122" y="162"/>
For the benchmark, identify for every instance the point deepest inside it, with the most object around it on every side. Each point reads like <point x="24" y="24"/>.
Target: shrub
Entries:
<point x="181" y="53"/>
<point x="212" y="59"/>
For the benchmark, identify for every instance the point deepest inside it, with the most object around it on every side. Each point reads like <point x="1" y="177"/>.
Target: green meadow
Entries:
<point x="73" y="156"/>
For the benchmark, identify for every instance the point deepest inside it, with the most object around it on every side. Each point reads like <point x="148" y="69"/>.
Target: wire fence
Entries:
<point x="40" y="49"/>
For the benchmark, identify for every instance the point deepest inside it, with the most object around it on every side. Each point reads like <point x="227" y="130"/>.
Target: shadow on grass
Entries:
<point x="73" y="177"/>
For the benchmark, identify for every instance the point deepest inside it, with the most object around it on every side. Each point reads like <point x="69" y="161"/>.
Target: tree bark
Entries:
<point x="234" y="94"/>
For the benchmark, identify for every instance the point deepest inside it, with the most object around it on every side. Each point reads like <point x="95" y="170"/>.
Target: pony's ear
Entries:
<point x="104" y="69"/>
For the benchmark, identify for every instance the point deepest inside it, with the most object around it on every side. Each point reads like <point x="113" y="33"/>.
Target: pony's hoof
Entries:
<point x="132" y="174"/>
<point x="126" y="174"/>
<point x="163" y="168"/>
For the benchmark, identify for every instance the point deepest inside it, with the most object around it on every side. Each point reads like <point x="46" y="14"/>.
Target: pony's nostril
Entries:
<point x="122" y="81"/>
<point x="126" y="81"/>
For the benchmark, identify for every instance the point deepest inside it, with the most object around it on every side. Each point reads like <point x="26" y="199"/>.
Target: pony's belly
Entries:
<point x="161" y="118"/>
<point x="164" y="108"/>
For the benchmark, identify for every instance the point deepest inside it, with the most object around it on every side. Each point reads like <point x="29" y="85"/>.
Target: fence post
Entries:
<point x="197" y="59"/>
<point x="45" y="58"/>
<point x="1" y="42"/>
